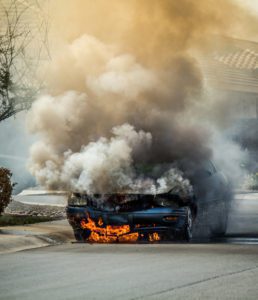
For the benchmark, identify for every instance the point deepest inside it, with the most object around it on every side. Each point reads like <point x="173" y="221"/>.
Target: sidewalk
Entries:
<point x="17" y="238"/>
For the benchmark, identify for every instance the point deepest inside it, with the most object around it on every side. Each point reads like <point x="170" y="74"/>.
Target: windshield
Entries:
<point x="153" y="171"/>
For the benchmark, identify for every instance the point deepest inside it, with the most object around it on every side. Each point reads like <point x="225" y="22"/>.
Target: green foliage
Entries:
<point x="6" y="188"/>
<point x="251" y="182"/>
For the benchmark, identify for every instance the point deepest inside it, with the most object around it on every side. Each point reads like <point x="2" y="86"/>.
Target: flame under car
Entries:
<point x="130" y="217"/>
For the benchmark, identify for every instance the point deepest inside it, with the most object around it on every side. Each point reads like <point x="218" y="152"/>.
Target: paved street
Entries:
<point x="226" y="269"/>
<point x="169" y="271"/>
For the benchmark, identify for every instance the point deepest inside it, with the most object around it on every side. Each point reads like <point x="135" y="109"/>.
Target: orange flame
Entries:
<point x="154" y="237"/>
<point x="108" y="234"/>
<point x="112" y="234"/>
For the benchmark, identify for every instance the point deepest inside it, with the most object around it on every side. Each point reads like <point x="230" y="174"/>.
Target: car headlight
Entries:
<point x="76" y="199"/>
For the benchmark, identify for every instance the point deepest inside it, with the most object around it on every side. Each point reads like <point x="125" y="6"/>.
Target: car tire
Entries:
<point x="186" y="233"/>
<point x="81" y="235"/>
<point x="222" y="225"/>
<point x="221" y="228"/>
<point x="143" y="237"/>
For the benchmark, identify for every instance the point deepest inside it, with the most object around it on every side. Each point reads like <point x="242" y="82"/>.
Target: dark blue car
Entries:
<point x="167" y="214"/>
<point x="144" y="215"/>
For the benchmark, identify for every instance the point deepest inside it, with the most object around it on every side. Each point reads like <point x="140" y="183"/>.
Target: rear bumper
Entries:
<point x="151" y="220"/>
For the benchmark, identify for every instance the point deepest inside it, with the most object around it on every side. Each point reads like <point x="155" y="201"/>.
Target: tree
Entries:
<point x="6" y="188"/>
<point x="18" y="87"/>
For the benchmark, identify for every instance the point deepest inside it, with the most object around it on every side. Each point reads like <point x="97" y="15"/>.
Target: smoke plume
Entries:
<point x="122" y="89"/>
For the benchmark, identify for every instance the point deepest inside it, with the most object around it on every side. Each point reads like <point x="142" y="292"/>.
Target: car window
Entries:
<point x="153" y="170"/>
<point x="205" y="170"/>
<point x="209" y="167"/>
<point x="213" y="167"/>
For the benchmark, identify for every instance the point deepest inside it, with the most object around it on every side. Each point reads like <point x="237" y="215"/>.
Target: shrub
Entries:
<point x="251" y="182"/>
<point x="6" y="188"/>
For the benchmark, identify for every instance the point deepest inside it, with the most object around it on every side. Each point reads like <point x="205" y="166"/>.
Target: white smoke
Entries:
<point x="117" y="96"/>
<point x="122" y="76"/>
<point x="104" y="166"/>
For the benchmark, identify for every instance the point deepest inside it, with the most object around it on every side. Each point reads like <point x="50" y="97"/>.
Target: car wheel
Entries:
<point x="221" y="227"/>
<point x="81" y="235"/>
<point x="186" y="233"/>
<point x="189" y="226"/>
<point x="143" y="237"/>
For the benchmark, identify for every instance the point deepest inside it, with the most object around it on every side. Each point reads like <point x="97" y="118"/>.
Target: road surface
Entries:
<point x="227" y="269"/>
<point x="167" y="271"/>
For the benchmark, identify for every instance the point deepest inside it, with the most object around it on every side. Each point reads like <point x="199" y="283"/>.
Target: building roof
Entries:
<point x="244" y="59"/>
<point x="232" y="65"/>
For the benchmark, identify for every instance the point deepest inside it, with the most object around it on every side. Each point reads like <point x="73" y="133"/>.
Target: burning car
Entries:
<point x="153" y="216"/>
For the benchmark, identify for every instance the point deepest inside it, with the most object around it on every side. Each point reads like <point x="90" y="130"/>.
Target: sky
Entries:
<point x="252" y="4"/>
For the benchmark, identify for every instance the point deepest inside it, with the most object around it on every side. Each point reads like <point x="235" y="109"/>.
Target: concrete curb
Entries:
<point x="18" y="238"/>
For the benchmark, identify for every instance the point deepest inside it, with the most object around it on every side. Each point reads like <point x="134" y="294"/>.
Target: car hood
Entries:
<point x="131" y="202"/>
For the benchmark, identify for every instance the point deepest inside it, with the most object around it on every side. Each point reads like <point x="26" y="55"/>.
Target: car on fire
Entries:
<point x="166" y="216"/>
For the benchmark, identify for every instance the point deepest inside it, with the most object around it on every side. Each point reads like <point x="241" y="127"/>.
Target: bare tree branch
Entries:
<point x="16" y="90"/>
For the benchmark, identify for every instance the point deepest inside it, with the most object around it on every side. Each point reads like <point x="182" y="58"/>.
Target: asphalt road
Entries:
<point x="168" y="271"/>
<point x="227" y="269"/>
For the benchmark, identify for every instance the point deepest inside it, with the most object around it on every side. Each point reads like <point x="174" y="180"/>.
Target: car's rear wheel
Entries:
<point x="221" y="226"/>
<point x="221" y="222"/>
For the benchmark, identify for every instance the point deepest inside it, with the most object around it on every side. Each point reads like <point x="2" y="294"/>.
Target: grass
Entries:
<point x="12" y="220"/>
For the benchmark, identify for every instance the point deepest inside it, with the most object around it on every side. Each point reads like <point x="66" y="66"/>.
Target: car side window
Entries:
<point x="206" y="170"/>
<point x="212" y="167"/>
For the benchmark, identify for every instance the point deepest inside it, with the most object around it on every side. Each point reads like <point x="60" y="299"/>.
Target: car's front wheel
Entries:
<point x="186" y="233"/>
<point x="81" y="235"/>
<point x="188" y="230"/>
